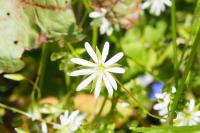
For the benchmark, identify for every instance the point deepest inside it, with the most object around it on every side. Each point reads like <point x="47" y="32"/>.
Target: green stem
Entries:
<point x="102" y="106"/>
<point x="13" y="109"/>
<point x="173" y="28"/>
<point x="41" y="70"/>
<point x="22" y="113"/>
<point x="94" y="37"/>
<point x="114" y="103"/>
<point x="134" y="100"/>
<point x="180" y="89"/>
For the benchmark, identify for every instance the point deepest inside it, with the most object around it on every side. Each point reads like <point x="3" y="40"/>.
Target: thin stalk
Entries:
<point x="22" y="113"/>
<point x="94" y="37"/>
<point x="173" y="29"/>
<point x="102" y="107"/>
<point x="180" y="89"/>
<point x="13" y="109"/>
<point x="134" y="100"/>
<point x="114" y="102"/>
<point x="41" y="70"/>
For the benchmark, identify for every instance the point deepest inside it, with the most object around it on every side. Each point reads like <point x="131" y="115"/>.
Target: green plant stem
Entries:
<point x="22" y="113"/>
<point x="102" y="107"/>
<point x="41" y="70"/>
<point x="13" y="109"/>
<point x="173" y="29"/>
<point x="182" y="82"/>
<point x="136" y="101"/>
<point x="114" y="103"/>
<point x="94" y="37"/>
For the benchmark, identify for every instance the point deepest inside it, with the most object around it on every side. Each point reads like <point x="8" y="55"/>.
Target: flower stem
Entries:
<point x="102" y="106"/>
<point x="173" y="29"/>
<point x="41" y="70"/>
<point x="134" y="100"/>
<point x="13" y="109"/>
<point x="22" y="113"/>
<point x="182" y="81"/>
<point x="94" y="37"/>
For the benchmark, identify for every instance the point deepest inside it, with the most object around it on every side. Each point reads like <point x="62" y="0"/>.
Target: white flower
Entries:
<point x="70" y="123"/>
<point x="190" y="116"/>
<point x="44" y="127"/>
<point x="105" y="25"/>
<point x="156" y="6"/>
<point x="98" y="70"/>
<point x="144" y="80"/>
<point x="162" y="106"/>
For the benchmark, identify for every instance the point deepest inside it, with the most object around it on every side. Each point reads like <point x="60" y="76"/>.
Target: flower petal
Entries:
<point x="145" y="5"/>
<point x="108" y="86"/>
<point x="73" y="116"/>
<point x="104" y="26"/>
<point x="116" y="70"/>
<point x="85" y="82"/>
<point x="82" y="72"/>
<point x="98" y="86"/>
<point x="105" y="51"/>
<point x="168" y="2"/>
<point x="114" y="59"/>
<point x="96" y="14"/>
<point x="91" y="52"/>
<point x="111" y="80"/>
<point x="82" y="62"/>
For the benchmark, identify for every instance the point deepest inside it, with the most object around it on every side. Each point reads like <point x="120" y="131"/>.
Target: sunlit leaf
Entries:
<point x="16" y="77"/>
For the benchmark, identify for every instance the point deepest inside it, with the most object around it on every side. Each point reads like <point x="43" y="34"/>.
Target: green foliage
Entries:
<point x="168" y="129"/>
<point x="28" y="25"/>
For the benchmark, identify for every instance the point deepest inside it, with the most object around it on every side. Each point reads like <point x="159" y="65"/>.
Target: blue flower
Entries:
<point x="156" y="89"/>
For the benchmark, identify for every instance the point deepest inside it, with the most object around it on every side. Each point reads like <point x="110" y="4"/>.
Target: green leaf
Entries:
<point x="168" y="129"/>
<point x="16" y="77"/>
<point x="20" y="130"/>
<point x="26" y="24"/>
<point x="57" y="56"/>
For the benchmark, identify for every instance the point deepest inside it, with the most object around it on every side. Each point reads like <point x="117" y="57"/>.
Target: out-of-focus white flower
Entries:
<point x="44" y="127"/>
<point x="105" y="25"/>
<point x="98" y="70"/>
<point x="156" y="6"/>
<point x="35" y="114"/>
<point x="144" y="80"/>
<point x="164" y="100"/>
<point x="190" y="116"/>
<point x="173" y="89"/>
<point x="162" y="107"/>
<point x="70" y="123"/>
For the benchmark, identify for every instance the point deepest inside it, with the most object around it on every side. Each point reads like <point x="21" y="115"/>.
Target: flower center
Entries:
<point x="101" y="68"/>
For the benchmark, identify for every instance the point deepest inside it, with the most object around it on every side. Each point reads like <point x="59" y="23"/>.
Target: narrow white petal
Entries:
<point x="116" y="70"/>
<point x="197" y="114"/>
<point x="73" y="115"/>
<point x="82" y="72"/>
<point x="105" y="51"/>
<point x="145" y="5"/>
<point x="44" y="127"/>
<point x="191" y="105"/>
<point x="104" y="26"/>
<point x="85" y="82"/>
<point x="96" y="14"/>
<point x="91" y="52"/>
<point x="163" y="112"/>
<point x="108" y="86"/>
<point x="83" y="62"/>
<point x="159" y="106"/>
<point x="114" y="59"/>
<point x="98" y="86"/>
<point x="168" y="2"/>
<point x="111" y="80"/>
